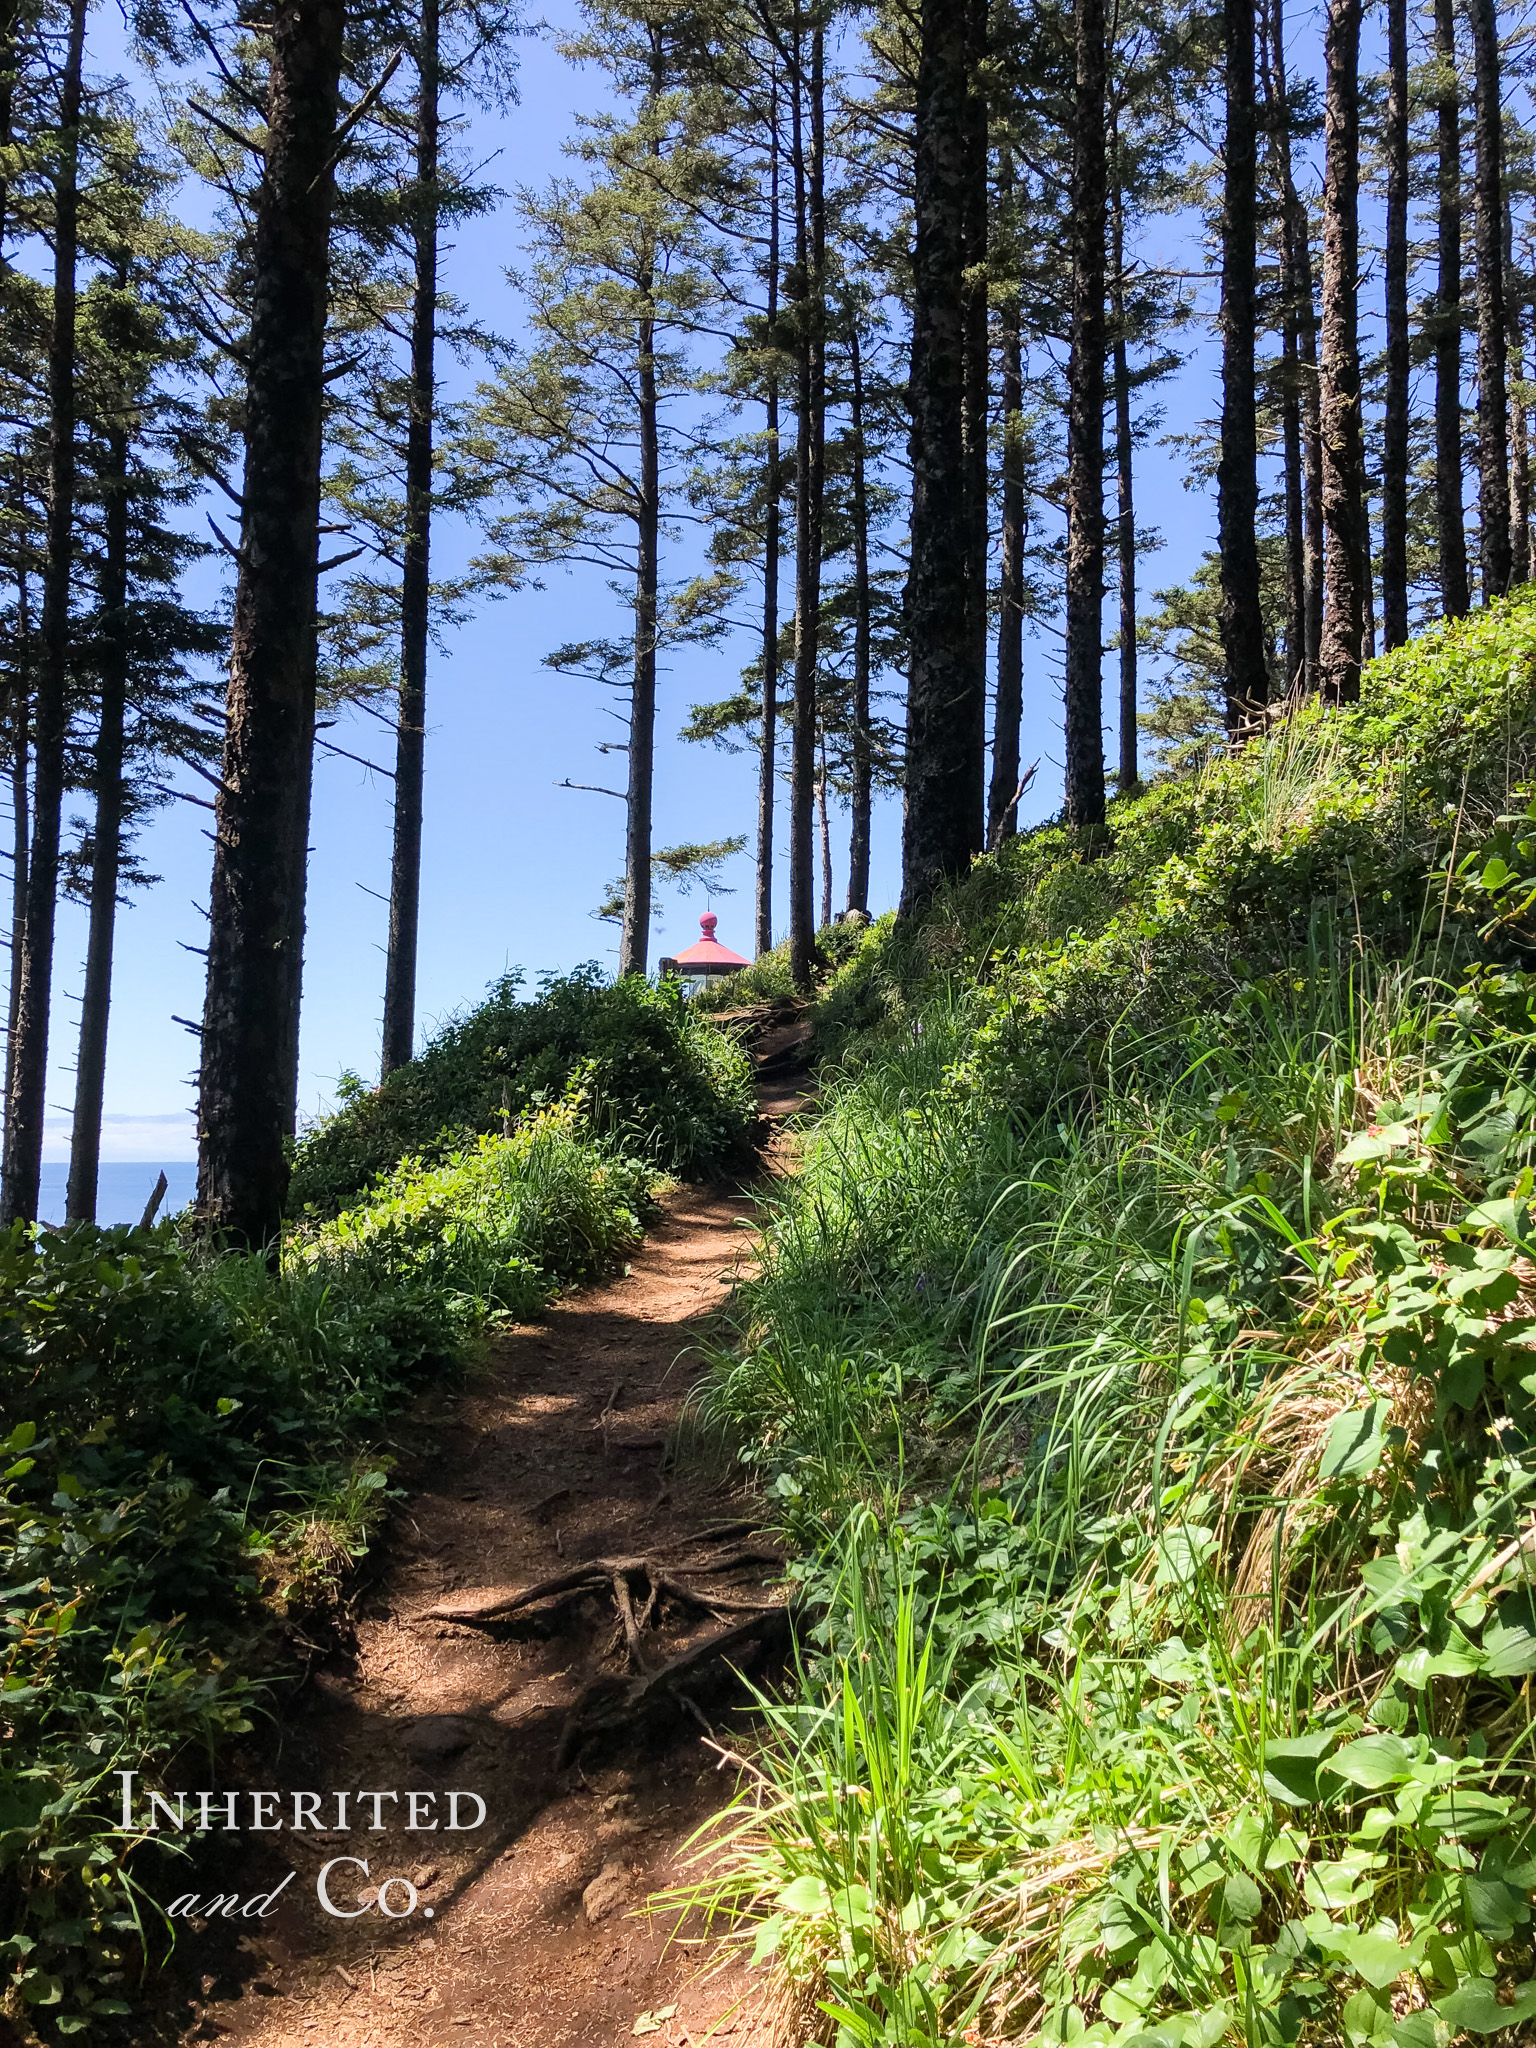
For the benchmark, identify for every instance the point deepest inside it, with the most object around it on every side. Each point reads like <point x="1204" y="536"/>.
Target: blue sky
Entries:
<point x="512" y="865"/>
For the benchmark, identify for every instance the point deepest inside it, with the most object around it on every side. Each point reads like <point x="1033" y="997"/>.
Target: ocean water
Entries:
<point x="124" y="1186"/>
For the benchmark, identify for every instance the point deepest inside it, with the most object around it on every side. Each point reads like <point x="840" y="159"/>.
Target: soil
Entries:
<point x="528" y="1931"/>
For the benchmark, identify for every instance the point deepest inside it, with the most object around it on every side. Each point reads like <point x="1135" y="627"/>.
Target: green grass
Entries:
<point x="1145" y="1360"/>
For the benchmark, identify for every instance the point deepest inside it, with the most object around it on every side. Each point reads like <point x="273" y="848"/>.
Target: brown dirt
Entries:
<point x="565" y="1449"/>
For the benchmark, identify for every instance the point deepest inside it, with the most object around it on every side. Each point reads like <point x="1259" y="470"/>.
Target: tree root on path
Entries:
<point x="604" y="1706"/>
<point x="620" y="1576"/>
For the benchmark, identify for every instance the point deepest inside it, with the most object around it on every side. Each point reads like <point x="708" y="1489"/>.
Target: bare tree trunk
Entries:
<point x="107" y="841"/>
<point x="1125" y="524"/>
<point x="1519" y="439"/>
<point x="1002" y="801"/>
<point x="1492" y="393"/>
<point x="1394" y="446"/>
<point x="939" y="830"/>
<point x="29" y="1046"/>
<point x="634" y="946"/>
<point x="1085" y="429"/>
<point x="1275" y="120"/>
<point x="825" y="823"/>
<point x="298" y="925"/>
<point x="242" y="1165"/>
<point x="767" y="767"/>
<point x="1347" y="544"/>
<point x="1455" y="599"/>
<point x="1237" y="482"/>
<point x="970" y="711"/>
<point x="1296" y="262"/>
<point x="399" y="1036"/>
<point x="861" y="794"/>
<point x="810" y="477"/>
<point x="21" y="700"/>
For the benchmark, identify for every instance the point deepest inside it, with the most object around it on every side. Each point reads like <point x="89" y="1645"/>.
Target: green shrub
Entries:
<point x="648" y="1071"/>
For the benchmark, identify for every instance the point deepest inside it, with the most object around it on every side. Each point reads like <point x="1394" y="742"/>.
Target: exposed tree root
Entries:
<point x="606" y="1705"/>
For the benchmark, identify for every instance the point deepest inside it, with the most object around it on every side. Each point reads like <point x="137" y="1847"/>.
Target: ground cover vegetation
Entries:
<point x="199" y="1446"/>
<point x="1144" y="1356"/>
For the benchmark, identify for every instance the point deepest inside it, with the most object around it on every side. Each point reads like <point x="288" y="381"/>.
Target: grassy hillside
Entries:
<point x="1146" y="1359"/>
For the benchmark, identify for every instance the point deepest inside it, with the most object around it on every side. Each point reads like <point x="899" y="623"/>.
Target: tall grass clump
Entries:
<point x="1145" y="1357"/>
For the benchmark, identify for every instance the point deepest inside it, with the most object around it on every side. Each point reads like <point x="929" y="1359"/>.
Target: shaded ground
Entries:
<point x="566" y="1450"/>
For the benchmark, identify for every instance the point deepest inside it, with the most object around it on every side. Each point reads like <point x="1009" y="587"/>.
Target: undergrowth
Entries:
<point x="1145" y="1359"/>
<point x="646" y="1069"/>
<point x="198" y="1448"/>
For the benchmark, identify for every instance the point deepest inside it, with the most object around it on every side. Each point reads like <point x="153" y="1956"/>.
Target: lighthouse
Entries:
<point x="704" y="961"/>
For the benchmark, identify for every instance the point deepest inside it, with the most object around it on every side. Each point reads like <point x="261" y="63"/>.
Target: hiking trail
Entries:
<point x="579" y="1715"/>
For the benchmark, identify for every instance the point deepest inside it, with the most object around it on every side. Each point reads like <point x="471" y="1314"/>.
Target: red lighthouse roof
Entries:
<point x="708" y="952"/>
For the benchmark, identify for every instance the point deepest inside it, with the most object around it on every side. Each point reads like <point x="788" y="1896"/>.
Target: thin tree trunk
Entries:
<point x="1296" y="284"/>
<point x="1347" y="546"/>
<point x="1492" y="340"/>
<point x="1002" y="801"/>
<point x="861" y="794"/>
<point x="29" y="1061"/>
<point x="970" y="712"/>
<point x="635" y="943"/>
<point x="1125" y="524"/>
<point x="1519" y="442"/>
<point x="824" y="821"/>
<point x="21" y="699"/>
<point x="293" y="952"/>
<point x="1455" y="599"/>
<point x="1290" y="368"/>
<point x="415" y="578"/>
<point x="635" y="938"/>
<point x="939" y="833"/>
<point x="107" y="841"/>
<point x="1394" y="445"/>
<point x="1237" y="484"/>
<point x="767" y="767"/>
<point x="1085" y="430"/>
<point x="242" y="1165"/>
<point x="810" y="474"/>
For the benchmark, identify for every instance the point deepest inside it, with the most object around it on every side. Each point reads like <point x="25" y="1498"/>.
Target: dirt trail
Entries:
<point x="524" y="1934"/>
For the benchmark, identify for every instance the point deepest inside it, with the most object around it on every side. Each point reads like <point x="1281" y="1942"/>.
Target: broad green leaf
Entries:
<point x="805" y="1895"/>
<point x="1354" y="1442"/>
<point x="1378" y="1956"/>
<point x="1290" y="1768"/>
<point x="1241" y="1900"/>
<point x="1373" y="1761"/>
<point x="1473" y="2007"/>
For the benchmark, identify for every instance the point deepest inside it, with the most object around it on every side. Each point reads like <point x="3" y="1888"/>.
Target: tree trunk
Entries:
<point x="106" y="861"/>
<point x="861" y="795"/>
<point x="1275" y="127"/>
<point x="1125" y="524"/>
<point x="1085" y="431"/>
<point x="1394" y="445"/>
<point x="1492" y="341"/>
<point x="1237" y="483"/>
<point x="1519" y="443"/>
<point x="415" y="578"/>
<point x="21" y="699"/>
<point x="293" y="952"/>
<point x="634" y="947"/>
<point x="1296" y="285"/>
<point x="1002" y="802"/>
<point x="970" y="713"/>
<point x="29" y="1047"/>
<point x="939" y="830"/>
<point x="767" y="767"/>
<point x="824" y="821"/>
<point x="810" y="477"/>
<point x="1347" y="547"/>
<point x="242" y="1166"/>
<point x="1455" y="599"/>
